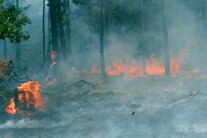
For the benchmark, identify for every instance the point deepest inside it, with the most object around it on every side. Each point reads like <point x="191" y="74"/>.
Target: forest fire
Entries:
<point x="152" y="67"/>
<point x="27" y="99"/>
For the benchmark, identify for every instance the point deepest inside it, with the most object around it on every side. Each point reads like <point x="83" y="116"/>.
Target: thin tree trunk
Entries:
<point x="68" y="30"/>
<point x="5" y="49"/>
<point x="18" y="48"/>
<point x="143" y="37"/>
<point x="49" y="39"/>
<point x="43" y="32"/>
<point x="90" y="22"/>
<point x="103" y="68"/>
<point x="204" y="11"/>
<point x="166" y="45"/>
<point x="61" y="29"/>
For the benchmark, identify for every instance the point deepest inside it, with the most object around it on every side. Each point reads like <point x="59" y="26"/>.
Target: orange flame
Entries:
<point x="28" y="94"/>
<point x="31" y="89"/>
<point x="11" y="108"/>
<point x="153" y="67"/>
<point x="53" y="55"/>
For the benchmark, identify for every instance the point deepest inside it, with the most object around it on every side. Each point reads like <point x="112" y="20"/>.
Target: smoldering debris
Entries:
<point x="103" y="114"/>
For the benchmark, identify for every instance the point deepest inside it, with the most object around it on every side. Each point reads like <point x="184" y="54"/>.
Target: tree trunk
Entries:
<point x="90" y="22"/>
<point x="166" y="46"/>
<point x="143" y="37"/>
<point x="5" y="49"/>
<point x="204" y="11"/>
<point x="54" y="27"/>
<point x="43" y="32"/>
<point x="103" y="68"/>
<point x="18" y="48"/>
<point x="49" y="39"/>
<point x="60" y="16"/>
<point x="68" y="30"/>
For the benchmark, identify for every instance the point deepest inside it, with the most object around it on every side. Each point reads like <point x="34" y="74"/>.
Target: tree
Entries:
<point x="12" y="21"/>
<point x="61" y="31"/>
<point x="102" y="29"/>
<point x="99" y="23"/>
<point x="68" y="29"/>
<point x="18" y="48"/>
<point x="165" y="40"/>
<point x="43" y="32"/>
<point x="54" y="26"/>
<point x="5" y="48"/>
<point x="60" y="27"/>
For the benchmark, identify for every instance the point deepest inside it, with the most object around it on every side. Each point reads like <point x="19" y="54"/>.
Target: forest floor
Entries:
<point x="146" y="108"/>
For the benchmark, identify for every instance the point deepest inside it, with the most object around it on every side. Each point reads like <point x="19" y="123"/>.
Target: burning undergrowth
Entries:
<point x="86" y="110"/>
<point x="27" y="99"/>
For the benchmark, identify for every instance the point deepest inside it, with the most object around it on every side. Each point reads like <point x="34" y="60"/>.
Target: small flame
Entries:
<point x="11" y="108"/>
<point x="53" y="55"/>
<point x="153" y="67"/>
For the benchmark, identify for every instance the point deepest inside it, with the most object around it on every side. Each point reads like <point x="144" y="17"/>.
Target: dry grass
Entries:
<point x="4" y="66"/>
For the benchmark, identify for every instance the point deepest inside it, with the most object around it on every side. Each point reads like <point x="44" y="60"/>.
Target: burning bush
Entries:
<point x="27" y="99"/>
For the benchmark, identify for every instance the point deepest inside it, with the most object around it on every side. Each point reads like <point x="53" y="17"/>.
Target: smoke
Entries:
<point x="160" y="106"/>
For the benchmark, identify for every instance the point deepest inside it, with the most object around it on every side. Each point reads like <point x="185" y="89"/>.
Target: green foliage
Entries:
<point x="12" y="21"/>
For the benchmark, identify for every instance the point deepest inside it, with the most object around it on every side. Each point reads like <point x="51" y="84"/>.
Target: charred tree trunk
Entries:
<point x="103" y="68"/>
<point x="166" y="45"/>
<point x="5" y="48"/>
<point x="55" y="48"/>
<point x="143" y="36"/>
<point x="43" y="32"/>
<point x="18" y="48"/>
<point x="106" y="16"/>
<point x="90" y="22"/>
<point x="54" y="26"/>
<point x="49" y="39"/>
<point x="204" y="11"/>
<point x="60" y="15"/>
<point x="68" y="30"/>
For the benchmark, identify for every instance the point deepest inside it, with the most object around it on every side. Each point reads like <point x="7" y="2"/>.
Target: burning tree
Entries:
<point x="60" y="27"/>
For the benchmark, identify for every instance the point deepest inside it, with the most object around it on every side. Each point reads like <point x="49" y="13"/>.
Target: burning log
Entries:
<point x="27" y="99"/>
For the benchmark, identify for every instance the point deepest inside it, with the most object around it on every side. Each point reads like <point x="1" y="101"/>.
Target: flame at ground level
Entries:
<point x="11" y="108"/>
<point x="152" y="67"/>
<point x="27" y="96"/>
